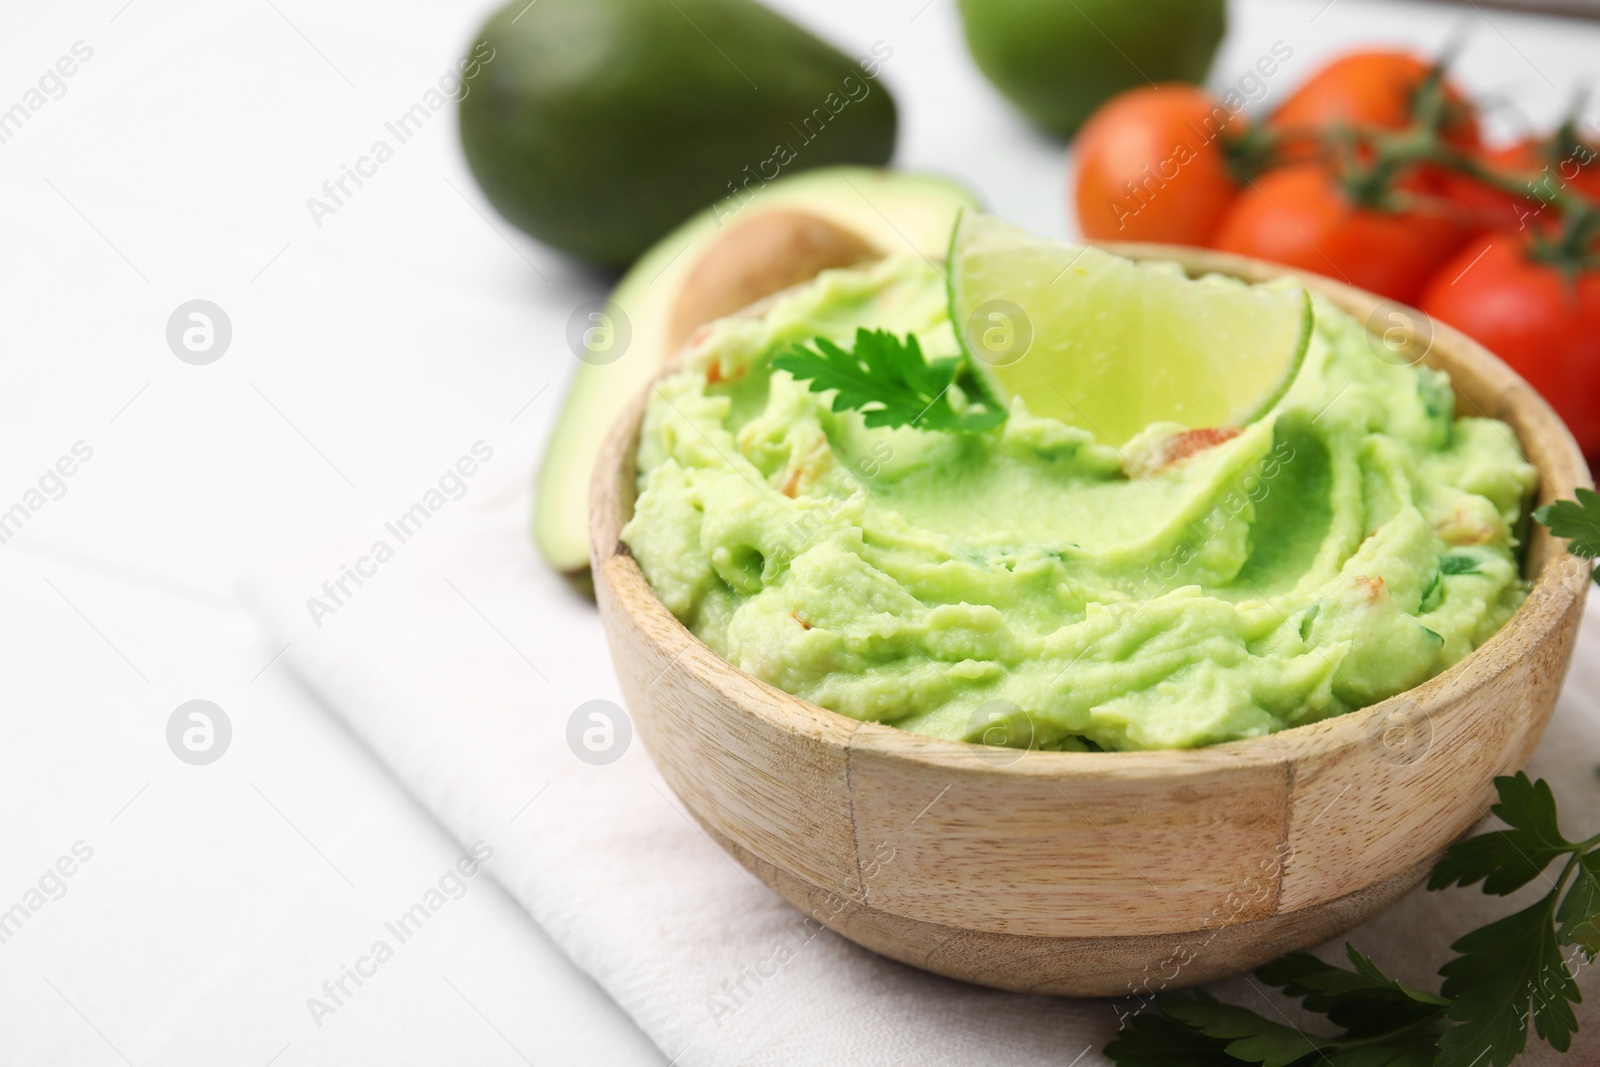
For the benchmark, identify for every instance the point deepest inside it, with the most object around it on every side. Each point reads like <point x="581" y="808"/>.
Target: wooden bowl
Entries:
<point x="1103" y="874"/>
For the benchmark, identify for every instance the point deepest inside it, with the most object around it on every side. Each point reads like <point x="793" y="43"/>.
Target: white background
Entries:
<point x="367" y="355"/>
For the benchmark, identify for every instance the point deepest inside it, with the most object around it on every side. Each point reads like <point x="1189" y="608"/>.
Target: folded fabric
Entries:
<point x="437" y="635"/>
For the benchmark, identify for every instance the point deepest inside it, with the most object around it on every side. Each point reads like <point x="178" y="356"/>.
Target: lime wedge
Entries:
<point x="1112" y="345"/>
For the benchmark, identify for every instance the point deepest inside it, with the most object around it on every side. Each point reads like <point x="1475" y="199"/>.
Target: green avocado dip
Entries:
<point x="1032" y="586"/>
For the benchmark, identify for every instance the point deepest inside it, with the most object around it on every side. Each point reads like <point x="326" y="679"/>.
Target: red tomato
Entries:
<point x="1374" y="88"/>
<point x="1531" y="316"/>
<point x="1151" y="166"/>
<point x="1301" y="217"/>
<point x="1545" y="167"/>
<point x="1486" y="208"/>
<point x="1574" y="166"/>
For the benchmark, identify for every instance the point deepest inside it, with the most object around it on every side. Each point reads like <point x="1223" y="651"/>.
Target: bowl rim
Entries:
<point x="1562" y="577"/>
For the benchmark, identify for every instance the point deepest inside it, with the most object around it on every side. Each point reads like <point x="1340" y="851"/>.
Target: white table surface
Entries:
<point x="367" y="354"/>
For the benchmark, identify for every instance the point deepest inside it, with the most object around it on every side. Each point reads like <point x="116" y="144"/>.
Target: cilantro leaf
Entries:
<point x="1197" y="1030"/>
<point x="1507" y="971"/>
<point x="1365" y="1001"/>
<point x="1507" y="860"/>
<point x="1249" y="1036"/>
<point x="1432" y="596"/>
<point x="1411" y="1049"/>
<point x="1153" y="1040"/>
<point x="1458" y="564"/>
<point x="1512" y="970"/>
<point x="1578" y="918"/>
<point x="889" y="382"/>
<point x="1576" y="520"/>
<point x="1308" y="618"/>
<point x="1509" y="976"/>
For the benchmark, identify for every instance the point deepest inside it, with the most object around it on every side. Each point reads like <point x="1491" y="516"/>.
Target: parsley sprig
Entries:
<point x="1505" y="975"/>
<point x="1578" y="521"/>
<point x="890" y="382"/>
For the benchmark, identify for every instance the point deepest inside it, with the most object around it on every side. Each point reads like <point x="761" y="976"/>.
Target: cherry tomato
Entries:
<point x="1543" y="159"/>
<point x="1151" y="166"/>
<point x="1527" y="313"/>
<point x="1374" y="88"/>
<point x="1300" y="216"/>
<point x="1541" y="163"/>
<point x="1484" y="207"/>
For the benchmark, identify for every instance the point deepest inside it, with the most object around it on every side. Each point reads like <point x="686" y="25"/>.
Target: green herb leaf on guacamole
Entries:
<point x="889" y="381"/>
<point x="1458" y="564"/>
<point x="1308" y="618"/>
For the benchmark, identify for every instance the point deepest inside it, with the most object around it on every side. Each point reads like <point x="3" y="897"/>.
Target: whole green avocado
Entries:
<point x="599" y="125"/>
<point x="1058" y="61"/>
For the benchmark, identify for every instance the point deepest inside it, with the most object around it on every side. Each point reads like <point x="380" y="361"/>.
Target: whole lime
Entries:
<point x="1058" y="60"/>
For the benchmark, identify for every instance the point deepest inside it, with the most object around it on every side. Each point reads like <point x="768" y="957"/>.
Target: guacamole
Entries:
<point x="1032" y="586"/>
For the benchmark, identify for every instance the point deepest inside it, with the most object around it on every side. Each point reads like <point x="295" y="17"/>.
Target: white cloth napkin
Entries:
<point x="459" y="660"/>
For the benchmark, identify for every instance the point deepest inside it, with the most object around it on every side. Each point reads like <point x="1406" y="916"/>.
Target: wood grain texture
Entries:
<point x="759" y="257"/>
<point x="1081" y="966"/>
<point x="1089" y="873"/>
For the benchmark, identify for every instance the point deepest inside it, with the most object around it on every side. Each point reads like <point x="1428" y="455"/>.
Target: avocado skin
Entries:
<point x="599" y="125"/>
<point x="1058" y="61"/>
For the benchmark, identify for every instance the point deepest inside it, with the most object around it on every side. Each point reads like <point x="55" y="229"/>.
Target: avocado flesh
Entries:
<point x="888" y="211"/>
<point x="599" y="125"/>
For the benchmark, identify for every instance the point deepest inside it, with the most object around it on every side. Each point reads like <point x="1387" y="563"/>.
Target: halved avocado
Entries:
<point x="729" y="256"/>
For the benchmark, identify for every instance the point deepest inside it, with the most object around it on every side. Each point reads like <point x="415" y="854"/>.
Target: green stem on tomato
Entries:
<point x="1573" y="245"/>
<point x="1369" y="161"/>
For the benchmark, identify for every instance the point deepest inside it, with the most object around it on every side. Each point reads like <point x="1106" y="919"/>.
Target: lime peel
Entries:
<point x="1113" y="345"/>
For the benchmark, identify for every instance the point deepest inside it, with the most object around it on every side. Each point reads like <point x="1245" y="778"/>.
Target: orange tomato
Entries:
<point x="1151" y="166"/>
